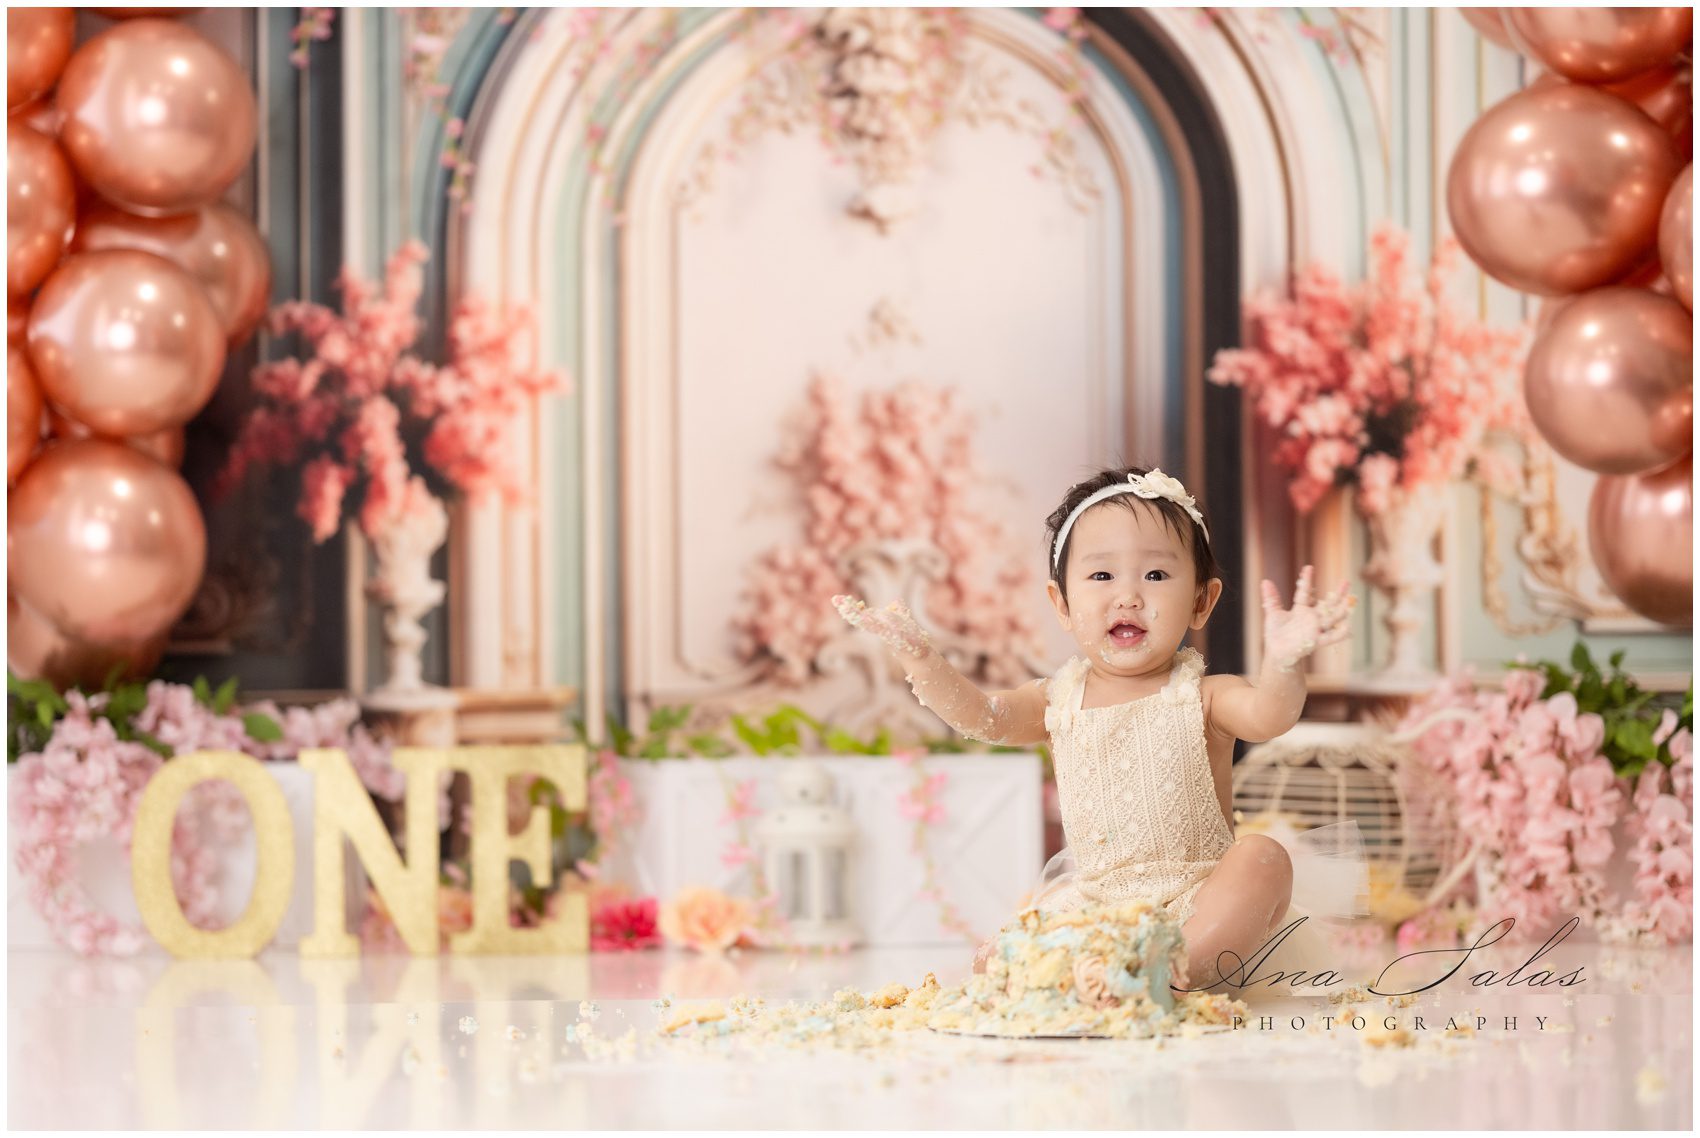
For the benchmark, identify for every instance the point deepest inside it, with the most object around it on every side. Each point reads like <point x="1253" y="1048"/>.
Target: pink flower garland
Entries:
<point x="1533" y="786"/>
<point x="1377" y="384"/>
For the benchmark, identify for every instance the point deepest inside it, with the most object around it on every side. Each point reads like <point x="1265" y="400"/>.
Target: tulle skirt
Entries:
<point x="1330" y="886"/>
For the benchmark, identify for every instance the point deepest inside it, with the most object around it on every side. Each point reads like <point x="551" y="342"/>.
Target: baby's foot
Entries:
<point x="894" y="624"/>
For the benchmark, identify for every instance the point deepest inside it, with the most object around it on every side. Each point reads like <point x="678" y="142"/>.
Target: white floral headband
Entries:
<point x="1149" y="486"/>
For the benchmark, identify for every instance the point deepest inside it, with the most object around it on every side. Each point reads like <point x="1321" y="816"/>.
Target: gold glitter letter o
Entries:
<point x="150" y="857"/>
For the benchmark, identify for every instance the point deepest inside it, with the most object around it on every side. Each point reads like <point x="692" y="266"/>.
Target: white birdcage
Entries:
<point x="1323" y="773"/>
<point x="806" y="844"/>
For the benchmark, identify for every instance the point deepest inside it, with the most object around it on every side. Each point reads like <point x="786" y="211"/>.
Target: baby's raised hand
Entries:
<point x="894" y="624"/>
<point x="1289" y="635"/>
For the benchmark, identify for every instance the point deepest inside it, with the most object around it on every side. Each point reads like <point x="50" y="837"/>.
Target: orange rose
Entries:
<point x="1092" y="983"/>
<point x="704" y="919"/>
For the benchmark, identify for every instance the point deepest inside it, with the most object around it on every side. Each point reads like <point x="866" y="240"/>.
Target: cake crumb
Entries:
<point x="1649" y="1085"/>
<point x="468" y="1025"/>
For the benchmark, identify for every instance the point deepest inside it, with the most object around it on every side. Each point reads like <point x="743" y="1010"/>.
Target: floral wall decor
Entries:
<point x="887" y="466"/>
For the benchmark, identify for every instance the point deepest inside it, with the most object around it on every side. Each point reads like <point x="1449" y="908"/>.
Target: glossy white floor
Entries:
<point x="378" y="1043"/>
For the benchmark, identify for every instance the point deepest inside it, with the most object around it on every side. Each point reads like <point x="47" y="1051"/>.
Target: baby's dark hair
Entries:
<point x="1174" y="515"/>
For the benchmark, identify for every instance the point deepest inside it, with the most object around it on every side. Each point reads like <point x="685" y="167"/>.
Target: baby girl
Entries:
<point x="1141" y="739"/>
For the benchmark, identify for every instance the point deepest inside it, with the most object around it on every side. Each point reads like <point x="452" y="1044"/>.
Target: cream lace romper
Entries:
<point x="1139" y="806"/>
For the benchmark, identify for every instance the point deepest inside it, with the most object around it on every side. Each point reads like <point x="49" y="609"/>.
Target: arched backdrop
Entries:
<point x="692" y="293"/>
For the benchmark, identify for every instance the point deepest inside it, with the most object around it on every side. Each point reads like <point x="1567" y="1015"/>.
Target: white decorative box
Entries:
<point x="988" y="850"/>
<point x="104" y="872"/>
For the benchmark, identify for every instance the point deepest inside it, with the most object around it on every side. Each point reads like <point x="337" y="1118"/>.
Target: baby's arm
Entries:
<point x="1006" y="718"/>
<point x="1261" y="711"/>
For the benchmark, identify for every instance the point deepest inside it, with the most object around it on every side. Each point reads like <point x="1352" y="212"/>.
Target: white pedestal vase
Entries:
<point x="1402" y="566"/>
<point x="422" y="714"/>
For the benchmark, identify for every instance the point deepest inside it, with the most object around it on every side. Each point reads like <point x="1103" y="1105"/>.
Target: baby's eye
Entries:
<point x="1100" y="575"/>
<point x="1156" y="575"/>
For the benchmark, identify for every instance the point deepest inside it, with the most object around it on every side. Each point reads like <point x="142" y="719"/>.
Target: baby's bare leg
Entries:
<point x="1236" y="910"/>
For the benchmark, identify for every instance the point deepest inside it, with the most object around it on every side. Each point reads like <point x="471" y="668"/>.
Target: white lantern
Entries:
<point x="806" y="847"/>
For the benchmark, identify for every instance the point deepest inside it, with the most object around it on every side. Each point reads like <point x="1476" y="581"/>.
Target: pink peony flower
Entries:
<point x="619" y="924"/>
<point x="705" y="919"/>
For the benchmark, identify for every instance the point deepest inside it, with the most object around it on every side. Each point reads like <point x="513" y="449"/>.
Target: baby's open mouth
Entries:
<point x="1126" y="635"/>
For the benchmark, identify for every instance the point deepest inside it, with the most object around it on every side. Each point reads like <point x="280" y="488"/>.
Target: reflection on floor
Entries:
<point x="382" y="1042"/>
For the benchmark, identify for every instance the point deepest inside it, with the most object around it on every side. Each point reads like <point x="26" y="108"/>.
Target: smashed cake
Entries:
<point x="1102" y="970"/>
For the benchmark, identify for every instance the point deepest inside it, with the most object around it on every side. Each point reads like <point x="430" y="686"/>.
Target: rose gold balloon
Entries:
<point x="1489" y="24"/>
<point x="158" y="119"/>
<point x="1599" y="45"/>
<point x="23" y="413"/>
<point x="38" y="42"/>
<point x="1664" y="94"/>
<point x="41" y="203"/>
<point x="165" y="446"/>
<point x="1676" y="237"/>
<point x="136" y="13"/>
<point x="38" y="651"/>
<point x="125" y="341"/>
<point x="104" y="542"/>
<point x="1558" y="189"/>
<point x="216" y="245"/>
<point x="1610" y="383"/>
<point x="1641" y="534"/>
<point x="17" y="320"/>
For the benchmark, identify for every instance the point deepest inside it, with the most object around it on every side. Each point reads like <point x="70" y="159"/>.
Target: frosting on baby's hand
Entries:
<point x="1289" y="635"/>
<point x="894" y="624"/>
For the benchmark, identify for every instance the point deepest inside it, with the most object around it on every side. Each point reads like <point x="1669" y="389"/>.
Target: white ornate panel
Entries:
<point x="742" y="280"/>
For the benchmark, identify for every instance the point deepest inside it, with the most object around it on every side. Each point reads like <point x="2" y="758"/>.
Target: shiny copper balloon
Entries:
<point x="165" y="445"/>
<point x="1599" y="45"/>
<point x="125" y="341"/>
<point x="138" y="13"/>
<point x="41" y="203"/>
<point x="104" y="542"/>
<point x="1676" y="237"/>
<point x="1610" y="383"/>
<point x="1558" y="189"/>
<point x="38" y="42"/>
<point x="216" y="245"/>
<point x="17" y="320"/>
<point x="158" y="119"/>
<point x="35" y="650"/>
<point x="23" y="413"/>
<point x="1664" y="94"/>
<point x="1641" y="535"/>
<point x="1489" y="24"/>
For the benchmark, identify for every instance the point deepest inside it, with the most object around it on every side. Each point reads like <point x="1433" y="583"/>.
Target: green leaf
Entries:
<point x="1580" y="661"/>
<point x="709" y="745"/>
<point x="157" y="746"/>
<point x="225" y="696"/>
<point x="1617" y="659"/>
<point x="751" y="738"/>
<point x="619" y="736"/>
<point x="203" y="693"/>
<point x="262" y="727"/>
<point x="841" y="742"/>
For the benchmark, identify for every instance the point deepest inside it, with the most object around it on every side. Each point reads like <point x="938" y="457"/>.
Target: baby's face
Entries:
<point x="1132" y="592"/>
